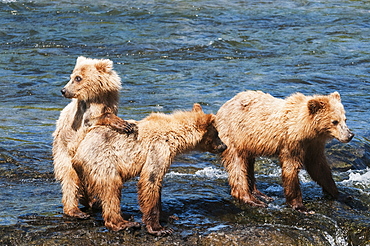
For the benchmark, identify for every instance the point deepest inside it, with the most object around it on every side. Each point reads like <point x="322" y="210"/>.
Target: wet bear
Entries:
<point x="94" y="89"/>
<point x="106" y="159"/>
<point x="294" y="129"/>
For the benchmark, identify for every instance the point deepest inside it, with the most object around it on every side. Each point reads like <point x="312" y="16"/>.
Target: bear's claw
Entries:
<point x="122" y="225"/>
<point x="261" y="195"/>
<point x="254" y="202"/>
<point x="161" y="232"/>
<point x="130" y="128"/>
<point x="302" y="209"/>
<point x="124" y="127"/>
<point x="76" y="213"/>
<point x="118" y="124"/>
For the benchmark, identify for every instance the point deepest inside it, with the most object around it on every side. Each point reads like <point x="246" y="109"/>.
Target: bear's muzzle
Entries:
<point x="66" y="94"/>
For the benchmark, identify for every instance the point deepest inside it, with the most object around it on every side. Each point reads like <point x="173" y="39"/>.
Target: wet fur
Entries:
<point x="294" y="129"/>
<point x="106" y="159"/>
<point x="94" y="90"/>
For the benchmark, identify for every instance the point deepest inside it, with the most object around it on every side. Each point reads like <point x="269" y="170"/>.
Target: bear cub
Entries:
<point x="294" y="129"/>
<point x="105" y="159"/>
<point x="94" y="89"/>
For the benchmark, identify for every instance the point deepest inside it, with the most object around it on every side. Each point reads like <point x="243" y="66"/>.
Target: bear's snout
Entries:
<point x="221" y="148"/>
<point x="66" y="93"/>
<point x="349" y="137"/>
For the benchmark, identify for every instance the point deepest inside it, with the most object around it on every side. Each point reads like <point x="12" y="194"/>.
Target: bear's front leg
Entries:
<point x="150" y="205"/>
<point x="118" y="124"/>
<point x="318" y="168"/>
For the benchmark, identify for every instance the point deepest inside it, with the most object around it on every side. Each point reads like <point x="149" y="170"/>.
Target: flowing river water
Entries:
<point x="171" y="54"/>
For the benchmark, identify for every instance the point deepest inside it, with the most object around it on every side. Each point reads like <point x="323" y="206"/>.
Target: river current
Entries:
<point x="169" y="55"/>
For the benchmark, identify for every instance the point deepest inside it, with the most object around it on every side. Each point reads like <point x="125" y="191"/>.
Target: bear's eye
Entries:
<point x="78" y="78"/>
<point x="335" y="122"/>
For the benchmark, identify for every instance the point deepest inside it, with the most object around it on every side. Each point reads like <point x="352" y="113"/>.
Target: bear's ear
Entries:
<point x="205" y="120"/>
<point x="81" y="59"/>
<point x="104" y="65"/>
<point x="197" y="107"/>
<point x="335" y="95"/>
<point x="314" y="105"/>
<point x="212" y="118"/>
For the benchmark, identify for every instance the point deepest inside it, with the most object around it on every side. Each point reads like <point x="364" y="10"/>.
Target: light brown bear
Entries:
<point x="94" y="88"/>
<point x="106" y="159"/>
<point x="294" y="129"/>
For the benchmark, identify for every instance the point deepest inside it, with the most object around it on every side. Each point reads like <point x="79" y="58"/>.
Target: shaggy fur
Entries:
<point x="296" y="129"/>
<point x="94" y="89"/>
<point x="106" y="159"/>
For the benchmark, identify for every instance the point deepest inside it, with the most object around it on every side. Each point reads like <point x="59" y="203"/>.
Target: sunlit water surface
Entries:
<point x="171" y="54"/>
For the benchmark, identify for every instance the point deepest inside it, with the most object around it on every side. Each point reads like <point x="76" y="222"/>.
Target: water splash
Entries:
<point x="207" y="172"/>
<point x="359" y="179"/>
<point x="211" y="172"/>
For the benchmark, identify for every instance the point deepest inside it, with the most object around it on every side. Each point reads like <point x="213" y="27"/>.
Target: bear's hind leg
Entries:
<point x="291" y="165"/>
<point x="111" y="206"/>
<point x="151" y="219"/>
<point x="70" y="192"/>
<point x="252" y="181"/>
<point x="149" y="189"/>
<point x="241" y="177"/>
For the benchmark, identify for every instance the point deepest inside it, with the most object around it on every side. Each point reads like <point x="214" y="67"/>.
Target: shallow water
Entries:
<point x="171" y="54"/>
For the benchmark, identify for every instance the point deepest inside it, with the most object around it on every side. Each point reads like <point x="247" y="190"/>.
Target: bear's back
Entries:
<point x="252" y="122"/>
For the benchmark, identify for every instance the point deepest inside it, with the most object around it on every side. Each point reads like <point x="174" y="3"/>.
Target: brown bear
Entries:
<point x="294" y="129"/>
<point x="105" y="159"/>
<point x="94" y="88"/>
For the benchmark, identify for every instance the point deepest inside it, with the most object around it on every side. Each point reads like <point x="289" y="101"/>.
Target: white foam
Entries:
<point x="207" y="172"/>
<point x="359" y="178"/>
<point x="173" y="174"/>
<point x="211" y="172"/>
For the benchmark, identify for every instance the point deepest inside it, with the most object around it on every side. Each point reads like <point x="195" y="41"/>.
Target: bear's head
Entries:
<point x="206" y="124"/>
<point x="92" y="78"/>
<point x="329" y="117"/>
